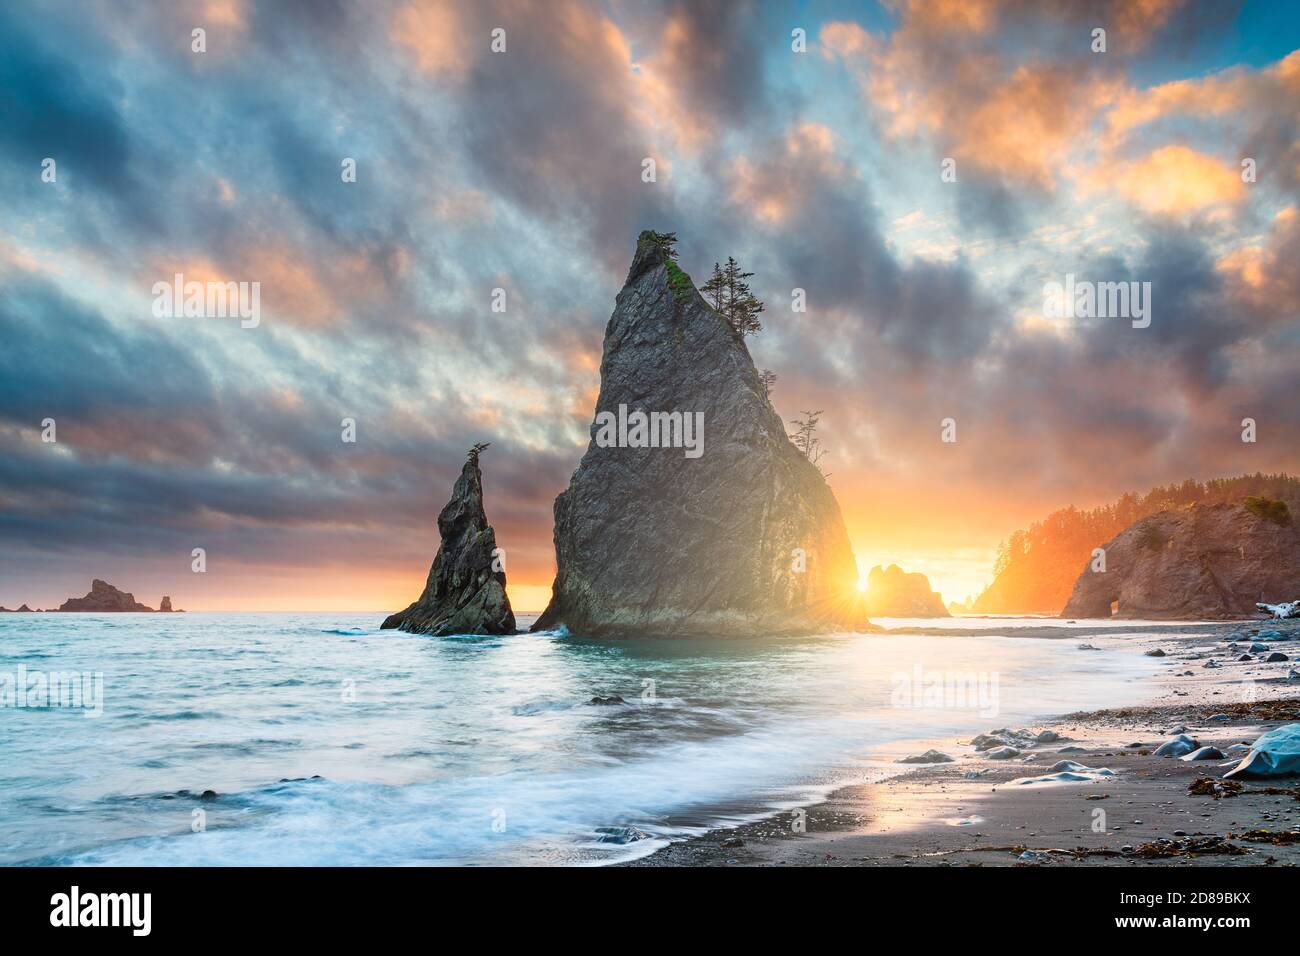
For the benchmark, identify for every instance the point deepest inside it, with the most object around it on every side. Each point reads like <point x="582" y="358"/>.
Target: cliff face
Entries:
<point x="1206" y="561"/>
<point x="463" y="594"/>
<point x="104" y="597"/>
<point x="893" y="592"/>
<point x="706" y="523"/>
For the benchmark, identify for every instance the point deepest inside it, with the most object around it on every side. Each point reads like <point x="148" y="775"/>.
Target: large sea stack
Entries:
<point x="1203" y="561"/>
<point x="464" y="593"/>
<point x="721" y="526"/>
<point x="104" y="597"/>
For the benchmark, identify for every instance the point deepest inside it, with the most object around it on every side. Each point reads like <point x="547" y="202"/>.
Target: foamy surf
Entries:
<point x="388" y="748"/>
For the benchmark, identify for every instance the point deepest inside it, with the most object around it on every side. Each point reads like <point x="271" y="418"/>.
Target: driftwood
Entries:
<point x="1283" y="610"/>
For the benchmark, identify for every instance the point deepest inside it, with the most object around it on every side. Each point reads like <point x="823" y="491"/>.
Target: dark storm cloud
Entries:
<point x="53" y="106"/>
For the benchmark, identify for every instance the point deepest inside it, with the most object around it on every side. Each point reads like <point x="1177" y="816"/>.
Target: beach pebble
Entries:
<point x="1070" y="750"/>
<point x="1204" y="753"/>
<point x="1293" y="674"/>
<point x="930" y="756"/>
<point x="1276" y="657"/>
<point x="1155" y="652"/>
<point x="1217" y="717"/>
<point x="1211" y="664"/>
<point x="1088" y="647"/>
<point x="1257" y="648"/>
<point x="1048" y="737"/>
<point x="1245" y="657"/>
<point x="605" y="701"/>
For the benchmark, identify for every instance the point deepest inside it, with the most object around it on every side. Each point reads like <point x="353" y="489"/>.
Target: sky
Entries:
<point x="920" y="170"/>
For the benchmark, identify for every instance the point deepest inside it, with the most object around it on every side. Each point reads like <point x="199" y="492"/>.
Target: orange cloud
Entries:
<point x="434" y="32"/>
<point x="1172" y="180"/>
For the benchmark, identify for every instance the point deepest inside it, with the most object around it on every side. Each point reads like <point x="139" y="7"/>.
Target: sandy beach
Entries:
<point x="1152" y="810"/>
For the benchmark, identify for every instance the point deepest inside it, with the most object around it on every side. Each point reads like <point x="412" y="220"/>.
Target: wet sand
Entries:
<point x="968" y="813"/>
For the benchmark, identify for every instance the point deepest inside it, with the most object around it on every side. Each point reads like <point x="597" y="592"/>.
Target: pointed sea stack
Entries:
<point x="463" y="594"/>
<point x="736" y="535"/>
<point x="166" y="605"/>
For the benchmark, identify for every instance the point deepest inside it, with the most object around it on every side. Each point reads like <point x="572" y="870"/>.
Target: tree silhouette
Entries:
<point x="766" y="379"/>
<point x="730" y="295"/>
<point x="805" y="438"/>
<point x="667" y="241"/>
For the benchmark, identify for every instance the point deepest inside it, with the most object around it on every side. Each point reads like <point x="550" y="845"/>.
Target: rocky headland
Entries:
<point x="1212" y="561"/>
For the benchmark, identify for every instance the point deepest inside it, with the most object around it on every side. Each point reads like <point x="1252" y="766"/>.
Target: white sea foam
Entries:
<point x="469" y="750"/>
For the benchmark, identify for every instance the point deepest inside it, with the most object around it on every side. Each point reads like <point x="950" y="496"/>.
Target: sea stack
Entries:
<point x="466" y="589"/>
<point x="166" y="604"/>
<point x="1199" y="562"/>
<point x="104" y="597"/>
<point x="893" y="592"/>
<point x="692" y="514"/>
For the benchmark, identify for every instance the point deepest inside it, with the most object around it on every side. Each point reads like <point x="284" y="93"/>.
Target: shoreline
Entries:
<point x="969" y="813"/>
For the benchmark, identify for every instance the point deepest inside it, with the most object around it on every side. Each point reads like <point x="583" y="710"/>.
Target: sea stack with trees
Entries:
<point x="744" y="537"/>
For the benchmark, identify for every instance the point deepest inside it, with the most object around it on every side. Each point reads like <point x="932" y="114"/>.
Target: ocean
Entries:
<point x="306" y="739"/>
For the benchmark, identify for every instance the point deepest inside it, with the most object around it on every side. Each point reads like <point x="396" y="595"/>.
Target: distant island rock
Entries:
<point x="104" y="597"/>
<point x="465" y="592"/>
<point x="1202" y="561"/>
<point x="16" y="610"/>
<point x="893" y="592"/>
<point x="726" y="530"/>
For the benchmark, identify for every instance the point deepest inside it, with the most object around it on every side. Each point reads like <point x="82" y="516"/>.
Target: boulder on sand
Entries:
<point x="1177" y="746"/>
<point x="1203" y="753"/>
<point x="466" y="589"/>
<point x="930" y="756"/>
<point x="1275" y="754"/>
